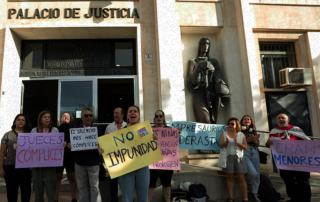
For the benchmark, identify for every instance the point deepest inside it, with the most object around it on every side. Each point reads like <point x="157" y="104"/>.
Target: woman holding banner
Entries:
<point x="138" y="179"/>
<point x="235" y="142"/>
<point x="164" y="175"/>
<point x="252" y="156"/>
<point x="44" y="177"/>
<point x="68" y="160"/>
<point x="15" y="178"/>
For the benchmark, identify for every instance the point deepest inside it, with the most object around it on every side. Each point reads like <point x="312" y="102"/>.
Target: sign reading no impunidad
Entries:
<point x="199" y="135"/>
<point x="129" y="149"/>
<point x="84" y="138"/>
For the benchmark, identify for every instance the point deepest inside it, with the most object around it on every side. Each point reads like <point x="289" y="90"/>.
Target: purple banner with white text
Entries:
<point x="40" y="150"/>
<point x="168" y="142"/>
<point x="298" y="155"/>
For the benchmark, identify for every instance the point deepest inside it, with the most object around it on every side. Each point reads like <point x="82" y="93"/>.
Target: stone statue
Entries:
<point x="205" y="81"/>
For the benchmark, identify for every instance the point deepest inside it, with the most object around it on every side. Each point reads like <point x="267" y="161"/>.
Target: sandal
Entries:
<point x="230" y="200"/>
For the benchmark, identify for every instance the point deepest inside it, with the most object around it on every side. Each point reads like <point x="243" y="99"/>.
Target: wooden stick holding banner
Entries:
<point x="199" y="135"/>
<point x="36" y="150"/>
<point x="129" y="149"/>
<point x="84" y="138"/>
<point x="298" y="155"/>
<point x="168" y="142"/>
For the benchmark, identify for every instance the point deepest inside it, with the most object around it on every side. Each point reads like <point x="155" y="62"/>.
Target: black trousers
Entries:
<point x="297" y="184"/>
<point x="16" y="178"/>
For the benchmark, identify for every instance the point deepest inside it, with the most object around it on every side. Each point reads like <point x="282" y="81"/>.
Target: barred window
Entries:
<point x="274" y="57"/>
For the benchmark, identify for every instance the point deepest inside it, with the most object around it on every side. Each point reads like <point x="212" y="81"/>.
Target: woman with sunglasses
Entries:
<point x="164" y="175"/>
<point x="68" y="159"/>
<point x="251" y="156"/>
<point x="15" y="178"/>
<point x="44" y="177"/>
<point x="235" y="142"/>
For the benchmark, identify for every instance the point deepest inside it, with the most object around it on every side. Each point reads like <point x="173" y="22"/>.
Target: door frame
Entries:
<point x="94" y="80"/>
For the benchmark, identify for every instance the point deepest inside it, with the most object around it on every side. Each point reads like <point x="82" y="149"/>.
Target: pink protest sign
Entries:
<point x="298" y="155"/>
<point x="168" y="142"/>
<point x="39" y="150"/>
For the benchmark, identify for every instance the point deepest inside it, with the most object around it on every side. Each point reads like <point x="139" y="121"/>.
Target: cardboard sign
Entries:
<point x="199" y="135"/>
<point x="298" y="155"/>
<point x="168" y="142"/>
<point x="84" y="138"/>
<point x="36" y="150"/>
<point x="126" y="150"/>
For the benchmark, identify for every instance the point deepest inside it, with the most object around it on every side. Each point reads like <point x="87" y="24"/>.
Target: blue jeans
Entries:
<point x="253" y="164"/>
<point x="114" y="189"/>
<point x="139" y="180"/>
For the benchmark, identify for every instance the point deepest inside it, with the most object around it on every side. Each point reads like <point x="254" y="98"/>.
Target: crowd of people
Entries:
<point x="240" y="140"/>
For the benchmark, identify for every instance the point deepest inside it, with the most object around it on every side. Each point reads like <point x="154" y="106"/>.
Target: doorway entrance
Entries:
<point x="71" y="95"/>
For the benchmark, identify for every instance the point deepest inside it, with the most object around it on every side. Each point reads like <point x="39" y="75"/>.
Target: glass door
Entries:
<point x="75" y="96"/>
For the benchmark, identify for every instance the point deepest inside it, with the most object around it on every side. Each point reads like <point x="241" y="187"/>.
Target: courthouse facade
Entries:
<point x="67" y="55"/>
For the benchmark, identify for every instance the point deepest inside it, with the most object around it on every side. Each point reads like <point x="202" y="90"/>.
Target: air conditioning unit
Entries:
<point x="295" y="77"/>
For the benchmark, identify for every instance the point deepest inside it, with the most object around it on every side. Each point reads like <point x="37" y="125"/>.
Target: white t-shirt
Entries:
<point x="112" y="127"/>
<point x="54" y="130"/>
<point x="232" y="146"/>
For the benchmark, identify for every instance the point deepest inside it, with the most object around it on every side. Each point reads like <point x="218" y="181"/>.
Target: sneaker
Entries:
<point x="255" y="198"/>
<point x="74" y="200"/>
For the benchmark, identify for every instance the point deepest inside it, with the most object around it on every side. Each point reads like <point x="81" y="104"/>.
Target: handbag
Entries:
<point x="223" y="156"/>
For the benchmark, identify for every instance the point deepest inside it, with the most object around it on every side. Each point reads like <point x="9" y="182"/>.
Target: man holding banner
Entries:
<point x="83" y="141"/>
<point x="297" y="182"/>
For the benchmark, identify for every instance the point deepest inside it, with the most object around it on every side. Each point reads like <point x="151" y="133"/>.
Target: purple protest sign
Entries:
<point x="168" y="142"/>
<point x="39" y="150"/>
<point x="298" y="155"/>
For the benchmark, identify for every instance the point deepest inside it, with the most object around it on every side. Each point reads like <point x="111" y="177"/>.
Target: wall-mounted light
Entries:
<point x="118" y="65"/>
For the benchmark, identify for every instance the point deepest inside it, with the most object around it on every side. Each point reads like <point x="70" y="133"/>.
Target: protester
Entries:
<point x="235" y="142"/>
<point x="87" y="165"/>
<point x="115" y="126"/>
<point x="252" y="156"/>
<point x="164" y="175"/>
<point x="44" y="177"/>
<point x="68" y="160"/>
<point x="297" y="182"/>
<point x="139" y="179"/>
<point x="15" y="178"/>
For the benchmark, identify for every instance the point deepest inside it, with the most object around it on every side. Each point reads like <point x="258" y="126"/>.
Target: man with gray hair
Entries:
<point x="115" y="126"/>
<point x="297" y="182"/>
<point x="87" y="165"/>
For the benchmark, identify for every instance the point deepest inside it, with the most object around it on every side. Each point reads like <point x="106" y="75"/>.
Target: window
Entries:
<point x="274" y="57"/>
<point x="33" y="55"/>
<point x="124" y="54"/>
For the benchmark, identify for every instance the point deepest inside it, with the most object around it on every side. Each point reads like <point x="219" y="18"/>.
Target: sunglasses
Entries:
<point x="86" y="115"/>
<point x="231" y="124"/>
<point x="158" y="116"/>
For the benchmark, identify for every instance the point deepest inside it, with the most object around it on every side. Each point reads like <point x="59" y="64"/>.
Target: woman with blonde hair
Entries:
<point x="235" y="142"/>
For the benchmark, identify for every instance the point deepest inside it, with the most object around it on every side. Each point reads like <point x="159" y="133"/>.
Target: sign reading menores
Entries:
<point x="129" y="149"/>
<point x="39" y="150"/>
<point x="84" y="138"/>
<point x="199" y="135"/>
<point x="298" y="155"/>
<point x="168" y="142"/>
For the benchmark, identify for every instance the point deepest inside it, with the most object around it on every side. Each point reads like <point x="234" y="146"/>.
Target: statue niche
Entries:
<point x="205" y="81"/>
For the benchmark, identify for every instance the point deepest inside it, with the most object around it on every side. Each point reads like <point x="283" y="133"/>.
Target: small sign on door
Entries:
<point x="148" y="58"/>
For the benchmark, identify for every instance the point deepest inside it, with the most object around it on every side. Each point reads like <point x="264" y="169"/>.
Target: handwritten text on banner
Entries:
<point x="126" y="150"/>
<point x="199" y="135"/>
<point x="83" y="138"/>
<point x="39" y="150"/>
<point x="298" y="155"/>
<point x="168" y="142"/>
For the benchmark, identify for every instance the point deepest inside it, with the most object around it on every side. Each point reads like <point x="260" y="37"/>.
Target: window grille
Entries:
<point x="274" y="57"/>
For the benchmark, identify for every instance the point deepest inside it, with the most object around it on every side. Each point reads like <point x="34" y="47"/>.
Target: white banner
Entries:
<point x="84" y="138"/>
